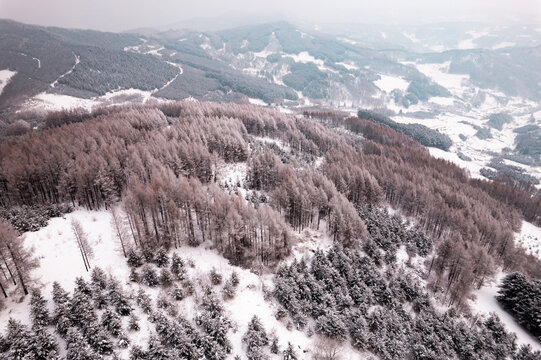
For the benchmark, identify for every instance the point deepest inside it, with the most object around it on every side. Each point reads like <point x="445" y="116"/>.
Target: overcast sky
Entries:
<point x="118" y="15"/>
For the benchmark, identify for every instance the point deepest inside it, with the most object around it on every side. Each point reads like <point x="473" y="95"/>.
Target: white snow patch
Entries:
<point x="439" y="74"/>
<point x="233" y="176"/>
<point x="305" y="57"/>
<point x="39" y="62"/>
<point x="263" y="53"/>
<point x="257" y="102"/>
<point x="388" y="83"/>
<point x="348" y="65"/>
<point x="347" y="41"/>
<point x="60" y="259"/>
<point x="276" y="142"/>
<point x="411" y="37"/>
<point x="155" y="52"/>
<point x="5" y="78"/>
<point x="440" y="100"/>
<point x="503" y="45"/>
<point x="529" y="238"/>
<point x="53" y="102"/>
<point x="470" y="43"/>
<point x="437" y="48"/>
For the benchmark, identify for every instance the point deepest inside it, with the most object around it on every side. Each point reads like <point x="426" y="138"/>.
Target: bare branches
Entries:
<point x="82" y="242"/>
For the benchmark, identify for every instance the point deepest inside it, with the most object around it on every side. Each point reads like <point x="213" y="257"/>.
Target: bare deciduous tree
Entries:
<point x="82" y="242"/>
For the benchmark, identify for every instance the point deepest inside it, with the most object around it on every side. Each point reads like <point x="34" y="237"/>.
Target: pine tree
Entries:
<point x="177" y="293"/>
<point x="228" y="290"/>
<point x="274" y="347"/>
<point x="118" y="298"/>
<point x="165" y="278"/>
<point x="289" y="353"/>
<point x="255" y="339"/>
<point x="46" y="345"/>
<point x="78" y="348"/>
<point x="215" y="277"/>
<point x="526" y="353"/>
<point x="135" y="259"/>
<point x="97" y="337"/>
<point x="178" y="267"/>
<point x="149" y="276"/>
<point x="133" y="324"/>
<point x="161" y="259"/>
<point x="144" y="301"/>
<point x="22" y="343"/>
<point x="38" y="310"/>
<point x="98" y="285"/>
<point x="111" y="322"/>
<point x="62" y="314"/>
<point x="235" y="279"/>
<point x="137" y="353"/>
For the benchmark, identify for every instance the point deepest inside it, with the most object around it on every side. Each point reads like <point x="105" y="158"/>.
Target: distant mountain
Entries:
<point x="274" y="62"/>
<point x="73" y="62"/>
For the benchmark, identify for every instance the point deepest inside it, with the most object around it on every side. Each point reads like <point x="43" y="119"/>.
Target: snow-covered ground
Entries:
<point x="54" y="102"/>
<point x="60" y="260"/>
<point x="529" y="238"/>
<point x="257" y="102"/>
<point x="439" y="74"/>
<point x="5" y="77"/>
<point x="464" y="112"/>
<point x="388" y="83"/>
<point x="470" y="43"/>
<point x="486" y="303"/>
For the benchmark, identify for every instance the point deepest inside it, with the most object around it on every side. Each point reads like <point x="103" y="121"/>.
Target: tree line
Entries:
<point x="161" y="161"/>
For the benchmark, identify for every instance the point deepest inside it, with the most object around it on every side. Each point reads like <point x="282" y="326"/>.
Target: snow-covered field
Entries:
<point x="529" y="238"/>
<point x="388" y="83"/>
<point x="60" y="260"/>
<point x="5" y="77"/>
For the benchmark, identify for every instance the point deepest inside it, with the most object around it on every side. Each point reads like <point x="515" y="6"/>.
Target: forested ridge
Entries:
<point x="162" y="163"/>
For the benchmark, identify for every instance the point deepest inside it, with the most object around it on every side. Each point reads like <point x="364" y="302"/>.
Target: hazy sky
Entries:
<point x="117" y="15"/>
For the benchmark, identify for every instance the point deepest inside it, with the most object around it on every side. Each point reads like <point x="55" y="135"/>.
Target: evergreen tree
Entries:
<point x="21" y="342"/>
<point x="137" y="353"/>
<point x="135" y="259"/>
<point x="161" y="259"/>
<point x="46" y="345"/>
<point x="62" y="314"/>
<point x="118" y="298"/>
<point x="256" y="339"/>
<point x="133" y="324"/>
<point x="165" y="278"/>
<point x="78" y="348"/>
<point x="38" y="310"/>
<point x="289" y="353"/>
<point x="178" y="267"/>
<point x="111" y="322"/>
<point x="149" y="276"/>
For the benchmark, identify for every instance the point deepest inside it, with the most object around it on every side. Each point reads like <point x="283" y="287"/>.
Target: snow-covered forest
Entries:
<point x="193" y="230"/>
